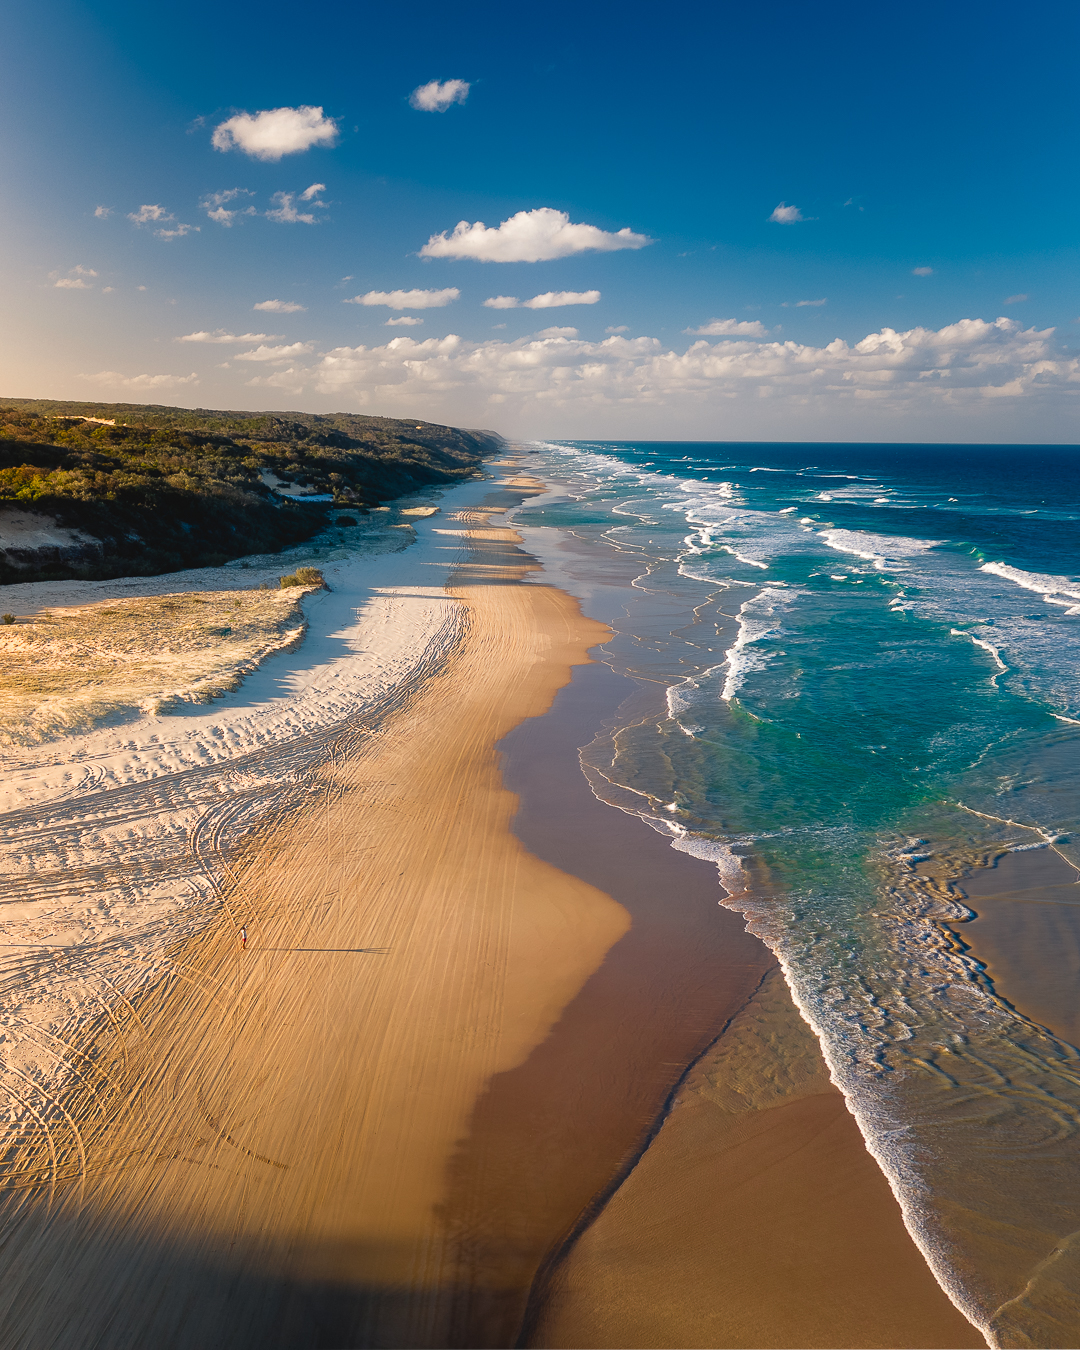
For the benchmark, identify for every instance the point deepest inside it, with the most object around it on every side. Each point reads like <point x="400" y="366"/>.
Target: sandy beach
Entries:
<point x="493" y="1068"/>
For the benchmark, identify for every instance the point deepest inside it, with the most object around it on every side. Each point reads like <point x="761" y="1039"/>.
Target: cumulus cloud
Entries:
<point x="622" y="328"/>
<point x="115" y="380"/>
<point x="956" y="370"/>
<point x="407" y="299"/>
<point x="102" y="212"/>
<point x="729" y="328"/>
<point x="264" y="353"/>
<point x="548" y="300"/>
<point x="922" y="271"/>
<point x="292" y="380"/>
<point x="216" y="206"/>
<point x="529" y="236"/>
<point x="1015" y="299"/>
<point x="220" y="335"/>
<point x="75" y="279"/>
<point x="157" y="215"/>
<point x="276" y="132"/>
<point x="403" y="321"/>
<point x="285" y="211"/>
<point x="556" y="299"/>
<point x="786" y="215"/>
<point x="562" y="333"/>
<point x="436" y="97"/>
<point x="279" y="306"/>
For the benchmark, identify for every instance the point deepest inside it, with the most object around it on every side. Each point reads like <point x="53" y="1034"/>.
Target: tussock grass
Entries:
<point x="72" y="667"/>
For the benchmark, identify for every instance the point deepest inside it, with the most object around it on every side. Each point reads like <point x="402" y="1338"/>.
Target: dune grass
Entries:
<point x="69" y="668"/>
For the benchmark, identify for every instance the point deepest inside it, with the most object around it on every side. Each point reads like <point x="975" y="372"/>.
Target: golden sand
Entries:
<point x="259" y="1153"/>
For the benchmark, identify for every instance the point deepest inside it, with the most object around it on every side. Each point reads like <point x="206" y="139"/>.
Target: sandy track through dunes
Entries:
<point x="254" y="1153"/>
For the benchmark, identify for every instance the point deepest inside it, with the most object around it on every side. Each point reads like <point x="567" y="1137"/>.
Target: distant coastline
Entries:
<point x="92" y="491"/>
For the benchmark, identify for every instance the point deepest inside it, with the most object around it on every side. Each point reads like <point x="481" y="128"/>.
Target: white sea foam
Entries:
<point x="758" y="620"/>
<point x="1063" y="591"/>
<point x="886" y="552"/>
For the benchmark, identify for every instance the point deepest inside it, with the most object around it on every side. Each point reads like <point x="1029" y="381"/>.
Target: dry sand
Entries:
<point x="265" y="1150"/>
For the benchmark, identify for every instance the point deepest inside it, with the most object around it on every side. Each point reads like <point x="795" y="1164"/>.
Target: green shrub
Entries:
<point x="7" y="618"/>
<point x="303" y="576"/>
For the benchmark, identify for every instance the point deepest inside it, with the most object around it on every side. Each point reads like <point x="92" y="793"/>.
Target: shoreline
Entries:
<point x="374" y="1247"/>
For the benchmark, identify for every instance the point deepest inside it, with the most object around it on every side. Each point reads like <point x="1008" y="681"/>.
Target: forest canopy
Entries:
<point x="167" y="488"/>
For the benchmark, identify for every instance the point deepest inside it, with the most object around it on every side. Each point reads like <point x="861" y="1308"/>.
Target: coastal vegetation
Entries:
<point x="140" y="490"/>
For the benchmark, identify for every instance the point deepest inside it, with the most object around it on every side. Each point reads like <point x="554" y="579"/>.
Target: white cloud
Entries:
<point x="285" y="211"/>
<point x="557" y="333"/>
<point x="890" y="378"/>
<point x="813" y="304"/>
<point x="622" y="328"/>
<point x="922" y="271"/>
<point x="276" y="132"/>
<point x="556" y="299"/>
<point x="279" y="306"/>
<point x="1015" y="299"/>
<point x="436" y="97"/>
<point x="786" y="215"/>
<point x="215" y="205"/>
<point x="105" y="290"/>
<point x="220" y="335"/>
<point x="115" y="380"/>
<point x="529" y="236"/>
<point x="404" y="321"/>
<point x="75" y="279"/>
<point x="729" y="328"/>
<point x="288" y="353"/>
<point x="145" y="214"/>
<point x="407" y="299"/>
<point x="150" y="215"/>
<point x="549" y="300"/>
<point x="292" y="380"/>
<point x="102" y="212"/>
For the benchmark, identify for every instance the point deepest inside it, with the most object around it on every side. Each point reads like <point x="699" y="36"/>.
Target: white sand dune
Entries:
<point x="110" y="839"/>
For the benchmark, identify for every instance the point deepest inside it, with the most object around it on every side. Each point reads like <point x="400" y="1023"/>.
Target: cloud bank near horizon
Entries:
<point x="965" y="367"/>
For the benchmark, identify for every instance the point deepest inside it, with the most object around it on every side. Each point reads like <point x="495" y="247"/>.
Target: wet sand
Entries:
<point x="420" y="1099"/>
<point x="756" y="1218"/>
<point x="1027" y="933"/>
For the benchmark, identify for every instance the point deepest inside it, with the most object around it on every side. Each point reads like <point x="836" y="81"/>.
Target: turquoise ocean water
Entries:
<point x="868" y="683"/>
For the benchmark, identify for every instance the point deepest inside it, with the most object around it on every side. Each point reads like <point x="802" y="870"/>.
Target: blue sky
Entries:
<point x="770" y="156"/>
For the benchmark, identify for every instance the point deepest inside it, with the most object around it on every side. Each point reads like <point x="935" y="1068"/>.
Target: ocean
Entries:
<point x="860" y="691"/>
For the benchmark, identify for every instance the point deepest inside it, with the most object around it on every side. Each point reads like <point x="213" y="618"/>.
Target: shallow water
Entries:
<point x="870" y="661"/>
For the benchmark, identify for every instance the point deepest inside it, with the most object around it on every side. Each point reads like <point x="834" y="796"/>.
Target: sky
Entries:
<point x="711" y="220"/>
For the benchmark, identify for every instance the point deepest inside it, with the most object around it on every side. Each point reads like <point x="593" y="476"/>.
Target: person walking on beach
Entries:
<point x="243" y="939"/>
